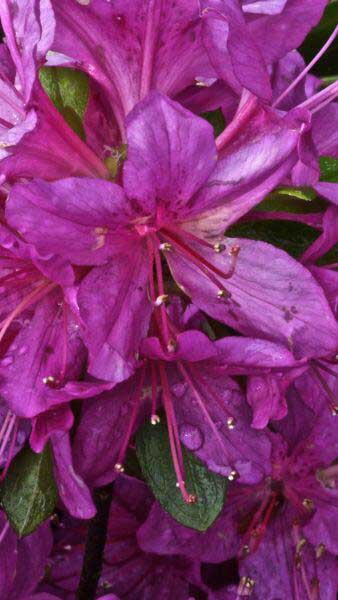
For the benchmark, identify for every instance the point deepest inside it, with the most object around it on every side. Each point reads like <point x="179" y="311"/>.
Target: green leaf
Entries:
<point x="29" y="492"/>
<point x="68" y="89"/>
<point x="328" y="169"/>
<point x="291" y="236"/>
<point x="153" y="452"/>
<point x="216" y="119"/>
<point x="293" y="200"/>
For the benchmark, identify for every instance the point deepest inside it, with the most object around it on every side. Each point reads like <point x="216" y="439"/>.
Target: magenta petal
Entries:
<point x="266" y="396"/>
<point x="232" y="49"/>
<point x="270" y="295"/>
<point x="161" y="534"/>
<point x="190" y="345"/>
<point x="36" y="354"/>
<point x="221" y="448"/>
<point x="59" y="418"/>
<point x="115" y="309"/>
<point x="101" y="432"/>
<point x="159" y="165"/>
<point x="251" y="353"/>
<point x="72" y="489"/>
<point x="83" y="214"/>
<point x="277" y="34"/>
<point x="328" y="190"/>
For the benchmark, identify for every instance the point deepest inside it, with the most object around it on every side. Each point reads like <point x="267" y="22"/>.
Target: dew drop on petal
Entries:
<point x="191" y="436"/>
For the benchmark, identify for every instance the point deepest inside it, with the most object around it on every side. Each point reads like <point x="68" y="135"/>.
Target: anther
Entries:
<point x="192" y="499"/>
<point x="161" y="299"/>
<point x="219" y="248"/>
<point x="178" y="483"/>
<point x="300" y="545"/>
<point x="245" y="550"/>
<point x="308" y="504"/>
<point x="245" y="587"/>
<point x="50" y="380"/>
<point x="334" y="411"/>
<point x="165" y="247"/>
<point x="222" y="294"/>
<point x="155" y="419"/>
<point x="320" y="549"/>
<point x="171" y="345"/>
<point x="233" y="474"/>
<point x="231" y="423"/>
<point x="119" y="468"/>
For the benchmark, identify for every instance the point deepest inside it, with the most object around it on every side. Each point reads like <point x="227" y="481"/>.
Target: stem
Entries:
<point x="95" y="543"/>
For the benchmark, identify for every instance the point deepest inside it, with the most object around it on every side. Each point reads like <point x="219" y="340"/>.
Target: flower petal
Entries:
<point x="271" y="296"/>
<point x="171" y="153"/>
<point x="72" y="489"/>
<point x="82" y="213"/>
<point x="115" y="309"/>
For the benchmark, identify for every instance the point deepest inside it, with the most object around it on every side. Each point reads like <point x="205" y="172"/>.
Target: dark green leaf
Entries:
<point x="291" y="236"/>
<point x="153" y="451"/>
<point x="293" y="200"/>
<point x="29" y="493"/>
<point x="328" y="169"/>
<point x="216" y="119"/>
<point x="69" y="91"/>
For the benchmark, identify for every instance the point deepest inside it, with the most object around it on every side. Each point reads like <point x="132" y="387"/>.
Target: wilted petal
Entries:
<point x="171" y="153"/>
<point x="270" y="295"/>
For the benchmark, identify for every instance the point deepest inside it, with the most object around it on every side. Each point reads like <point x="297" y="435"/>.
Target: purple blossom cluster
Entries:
<point x="124" y="300"/>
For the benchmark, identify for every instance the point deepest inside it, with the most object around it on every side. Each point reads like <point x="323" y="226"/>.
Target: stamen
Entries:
<point x="231" y="423"/>
<point x="161" y="300"/>
<point x="219" y="247"/>
<point x="308" y="504"/>
<point x="175" y="445"/>
<point x="155" y="419"/>
<point x="137" y="399"/>
<point x="172" y="345"/>
<point x="320" y="549"/>
<point x="245" y="586"/>
<point x="233" y="475"/>
<point x="165" y="247"/>
<point x="4" y="531"/>
<point x="308" y="67"/>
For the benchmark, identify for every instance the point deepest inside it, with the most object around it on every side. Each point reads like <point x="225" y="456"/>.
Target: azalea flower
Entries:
<point x="176" y="201"/>
<point x="283" y="528"/>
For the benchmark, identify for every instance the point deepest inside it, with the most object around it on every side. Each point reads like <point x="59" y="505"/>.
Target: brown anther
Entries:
<point x="219" y="248"/>
<point x="161" y="299"/>
<point x="165" y="247"/>
<point x="192" y="499"/>
<point x="320" y="549"/>
<point x="171" y="345"/>
<point x="233" y="474"/>
<point x="119" y="468"/>
<point x="246" y="586"/>
<point x="155" y="419"/>
<point x="231" y="423"/>
<point x="106" y="585"/>
<point x="334" y="411"/>
<point x="222" y="294"/>
<point x="308" y="504"/>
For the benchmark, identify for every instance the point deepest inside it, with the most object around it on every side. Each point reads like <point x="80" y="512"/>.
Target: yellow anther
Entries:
<point x="155" y="419"/>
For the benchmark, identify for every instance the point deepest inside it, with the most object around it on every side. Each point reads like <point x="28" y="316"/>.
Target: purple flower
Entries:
<point x="23" y="562"/>
<point x="283" y="529"/>
<point x="204" y="407"/>
<point x="128" y="571"/>
<point x="29" y="34"/>
<point x="177" y="201"/>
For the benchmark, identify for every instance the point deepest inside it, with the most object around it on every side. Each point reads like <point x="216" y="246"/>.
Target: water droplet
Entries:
<point x="191" y="436"/>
